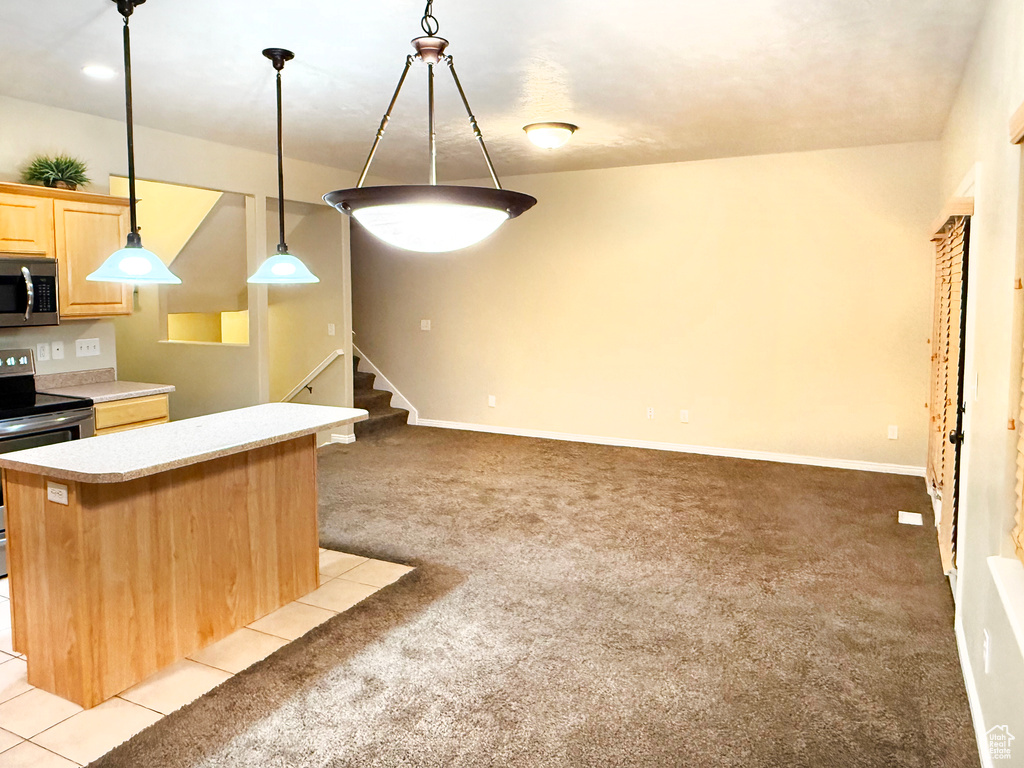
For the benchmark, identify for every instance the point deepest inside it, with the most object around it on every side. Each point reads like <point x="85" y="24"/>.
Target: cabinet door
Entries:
<point x="26" y="226"/>
<point x="86" y="234"/>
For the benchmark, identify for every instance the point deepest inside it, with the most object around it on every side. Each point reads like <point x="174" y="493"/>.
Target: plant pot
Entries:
<point x="60" y="184"/>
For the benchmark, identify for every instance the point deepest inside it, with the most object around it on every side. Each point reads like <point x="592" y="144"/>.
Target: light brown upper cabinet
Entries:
<point x="80" y="230"/>
<point x="26" y="226"/>
<point x="86" y="234"/>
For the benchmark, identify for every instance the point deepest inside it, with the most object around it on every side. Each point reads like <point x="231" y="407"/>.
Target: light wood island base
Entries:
<point x="128" y="577"/>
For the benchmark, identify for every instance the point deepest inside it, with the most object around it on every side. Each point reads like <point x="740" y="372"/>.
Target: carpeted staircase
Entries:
<point x="383" y="418"/>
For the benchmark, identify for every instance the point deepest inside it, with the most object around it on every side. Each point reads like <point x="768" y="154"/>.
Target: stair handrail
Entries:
<point x="313" y="374"/>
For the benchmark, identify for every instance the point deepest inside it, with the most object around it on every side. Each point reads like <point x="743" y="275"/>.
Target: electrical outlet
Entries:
<point x="42" y="352"/>
<point x="57" y="350"/>
<point x="424" y="325"/>
<point x="87" y="347"/>
<point x="987" y="651"/>
<point x="650" y="412"/>
<point x="330" y="329"/>
<point x="684" y="417"/>
<point x="492" y="401"/>
<point x="57" y="493"/>
<point x="894" y="432"/>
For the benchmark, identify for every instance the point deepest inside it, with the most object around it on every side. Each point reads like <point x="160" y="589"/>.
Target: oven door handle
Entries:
<point x="49" y="421"/>
<point x="31" y="288"/>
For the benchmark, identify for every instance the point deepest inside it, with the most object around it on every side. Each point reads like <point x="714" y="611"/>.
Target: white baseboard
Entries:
<point x="980" y="733"/>
<point x="345" y="439"/>
<point x="783" y="458"/>
<point x="398" y="400"/>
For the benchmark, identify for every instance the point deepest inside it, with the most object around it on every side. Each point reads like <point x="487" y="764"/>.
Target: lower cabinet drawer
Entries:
<point x="116" y="415"/>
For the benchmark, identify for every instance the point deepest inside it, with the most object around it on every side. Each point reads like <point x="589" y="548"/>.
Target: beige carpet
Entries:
<point x="580" y="605"/>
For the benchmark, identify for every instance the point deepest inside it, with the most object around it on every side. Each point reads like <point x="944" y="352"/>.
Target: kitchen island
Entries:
<point x="129" y="551"/>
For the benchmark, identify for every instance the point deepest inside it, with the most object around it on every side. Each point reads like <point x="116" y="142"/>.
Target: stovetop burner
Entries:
<point x="37" y="403"/>
<point x="18" y="396"/>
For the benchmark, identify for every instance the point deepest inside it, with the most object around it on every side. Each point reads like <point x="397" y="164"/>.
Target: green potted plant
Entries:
<point x="61" y="171"/>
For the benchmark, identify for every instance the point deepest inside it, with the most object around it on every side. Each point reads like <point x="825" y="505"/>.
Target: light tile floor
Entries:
<point x="41" y="730"/>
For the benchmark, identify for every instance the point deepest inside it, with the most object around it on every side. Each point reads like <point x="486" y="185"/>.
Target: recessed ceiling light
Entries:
<point x="98" y="72"/>
<point x="550" y="135"/>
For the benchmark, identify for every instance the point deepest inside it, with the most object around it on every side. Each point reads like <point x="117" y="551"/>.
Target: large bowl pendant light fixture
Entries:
<point x="133" y="263"/>
<point x="430" y="218"/>
<point x="282" y="267"/>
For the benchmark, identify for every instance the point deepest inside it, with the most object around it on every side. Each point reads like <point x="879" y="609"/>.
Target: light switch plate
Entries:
<point x="87" y="347"/>
<point x="910" y="518"/>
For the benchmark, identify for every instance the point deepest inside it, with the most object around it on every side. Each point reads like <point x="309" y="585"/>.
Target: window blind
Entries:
<point x="945" y="381"/>
<point x="1018" y="531"/>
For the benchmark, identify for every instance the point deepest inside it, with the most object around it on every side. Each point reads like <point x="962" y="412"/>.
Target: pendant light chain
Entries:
<point x="428" y="23"/>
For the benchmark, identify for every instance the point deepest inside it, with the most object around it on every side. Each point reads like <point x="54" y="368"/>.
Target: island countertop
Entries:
<point x="138" y="453"/>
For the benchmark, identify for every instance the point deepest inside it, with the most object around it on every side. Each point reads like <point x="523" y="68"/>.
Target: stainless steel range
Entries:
<point x="29" y="419"/>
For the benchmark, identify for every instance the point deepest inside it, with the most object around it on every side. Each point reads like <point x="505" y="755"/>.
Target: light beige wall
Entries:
<point x="168" y="214"/>
<point x="68" y="333"/>
<point x="234" y="327"/>
<point x="300" y="314"/>
<point x="194" y="326"/>
<point x="784" y="301"/>
<point x="977" y="137"/>
<point x="212" y="264"/>
<point x="209" y="378"/>
<point x="29" y="129"/>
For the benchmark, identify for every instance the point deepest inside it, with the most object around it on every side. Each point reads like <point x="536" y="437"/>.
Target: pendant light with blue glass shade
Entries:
<point x="282" y="267"/>
<point x="133" y="263"/>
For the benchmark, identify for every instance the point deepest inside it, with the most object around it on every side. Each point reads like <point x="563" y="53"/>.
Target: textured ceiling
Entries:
<point x="647" y="81"/>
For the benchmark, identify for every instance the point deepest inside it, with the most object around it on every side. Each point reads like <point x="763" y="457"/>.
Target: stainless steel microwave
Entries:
<point x="28" y="291"/>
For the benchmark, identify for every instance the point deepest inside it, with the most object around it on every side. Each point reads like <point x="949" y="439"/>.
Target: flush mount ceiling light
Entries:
<point x="550" y="135"/>
<point x="282" y="267"/>
<point x="133" y="263"/>
<point x="430" y="218"/>
<point x="98" y="71"/>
